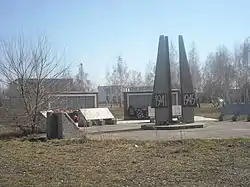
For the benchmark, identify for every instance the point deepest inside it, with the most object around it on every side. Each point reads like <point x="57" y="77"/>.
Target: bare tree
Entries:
<point x="174" y="66"/>
<point x="207" y="77"/>
<point x="30" y="71"/>
<point x="193" y="60"/>
<point x="149" y="74"/>
<point x="135" y="78"/>
<point x="67" y="74"/>
<point x="241" y="67"/>
<point x="119" y="76"/>
<point x="219" y="73"/>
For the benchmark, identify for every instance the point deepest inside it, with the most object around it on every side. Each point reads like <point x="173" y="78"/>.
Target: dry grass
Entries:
<point x="207" y="110"/>
<point x="118" y="112"/>
<point x="9" y="132"/>
<point x="121" y="163"/>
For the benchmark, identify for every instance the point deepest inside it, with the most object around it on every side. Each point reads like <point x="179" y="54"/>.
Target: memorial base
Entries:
<point x="172" y="127"/>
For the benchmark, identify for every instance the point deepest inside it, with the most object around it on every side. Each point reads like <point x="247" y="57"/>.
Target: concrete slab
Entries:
<point x="201" y="118"/>
<point x="173" y="127"/>
<point x="123" y="127"/>
<point x="132" y="121"/>
<point x="128" y="126"/>
<point x="96" y="113"/>
<point x="196" y="119"/>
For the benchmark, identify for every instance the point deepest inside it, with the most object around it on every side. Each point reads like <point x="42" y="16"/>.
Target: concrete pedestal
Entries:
<point x="172" y="127"/>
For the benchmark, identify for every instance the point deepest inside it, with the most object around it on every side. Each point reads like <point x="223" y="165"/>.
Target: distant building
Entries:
<point x="50" y="85"/>
<point x="110" y="94"/>
<point x="140" y="88"/>
<point x="73" y="100"/>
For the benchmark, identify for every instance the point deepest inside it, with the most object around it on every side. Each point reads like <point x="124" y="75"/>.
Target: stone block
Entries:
<point x="54" y="126"/>
<point x="110" y="121"/>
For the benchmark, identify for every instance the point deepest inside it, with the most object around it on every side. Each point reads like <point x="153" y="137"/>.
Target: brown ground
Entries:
<point x="125" y="163"/>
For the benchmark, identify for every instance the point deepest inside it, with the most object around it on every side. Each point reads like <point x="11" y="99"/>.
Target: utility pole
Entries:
<point x="81" y="76"/>
<point x="121" y="84"/>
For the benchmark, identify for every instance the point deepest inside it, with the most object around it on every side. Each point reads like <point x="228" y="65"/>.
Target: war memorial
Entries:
<point x="162" y="98"/>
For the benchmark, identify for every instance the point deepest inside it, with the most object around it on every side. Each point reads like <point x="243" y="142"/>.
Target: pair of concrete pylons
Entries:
<point x="162" y="97"/>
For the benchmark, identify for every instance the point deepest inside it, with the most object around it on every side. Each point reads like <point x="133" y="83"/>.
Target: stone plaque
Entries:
<point x="189" y="100"/>
<point x="160" y="100"/>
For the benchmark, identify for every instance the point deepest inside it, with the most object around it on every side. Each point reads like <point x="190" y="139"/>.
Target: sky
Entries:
<point x="96" y="32"/>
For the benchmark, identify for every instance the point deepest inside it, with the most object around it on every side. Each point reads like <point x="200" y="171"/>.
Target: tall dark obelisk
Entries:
<point x="188" y="98"/>
<point x="169" y="80"/>
<point x="162" y="98"/>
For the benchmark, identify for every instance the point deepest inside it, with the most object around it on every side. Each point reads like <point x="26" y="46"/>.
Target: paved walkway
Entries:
<point x="112" y="128"/>
<point x="212" y="130"/>
<point x="196" y="119"/>
<point x="127" y="125"/>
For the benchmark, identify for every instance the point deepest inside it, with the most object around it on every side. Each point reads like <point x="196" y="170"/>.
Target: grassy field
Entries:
<point x="125" y="163"/>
